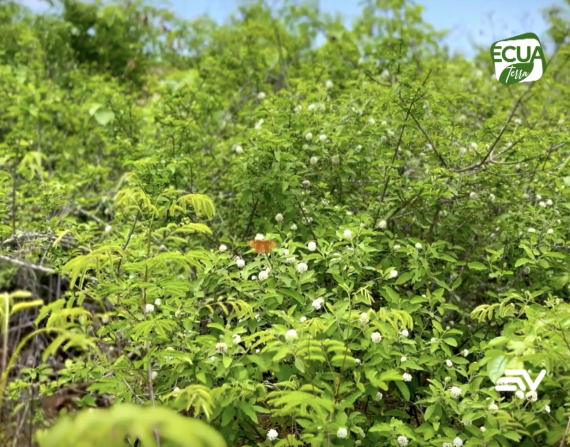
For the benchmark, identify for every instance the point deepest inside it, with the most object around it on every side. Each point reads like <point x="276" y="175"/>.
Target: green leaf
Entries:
<point x="104" y="116"/>
<point x="405" y="277"/>
<point x="477" y="266"/>
<point x="496" y="368"/>
<point x="404" y="390"/>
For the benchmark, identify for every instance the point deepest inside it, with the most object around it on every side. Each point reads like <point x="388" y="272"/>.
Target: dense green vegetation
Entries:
<point x="420" y="211"/>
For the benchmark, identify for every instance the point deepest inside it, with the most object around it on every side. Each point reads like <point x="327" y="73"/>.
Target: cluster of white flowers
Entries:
<point x="407" y="377"/>
<point x="223" y="248"/>
<point x="313" y="160"/>
<point x="493" y="408"/>
<point x="376" y="337"/>
<point x="371" y="121"/>
<point x="154" y="375"/>
<point x="449" y="363"/>
<point x="318" y="303"/>
<point x="308" y="136"/>
<point x="347" y="234"/>
<point x="279" y="217"/>
<point x="532" y="396"/>
<point x="531" y="230"/>
<point x="433" y="340"/>
<point x="550" y="231"/>
<point x="293" y="227"/>
<point x="240" y="263"/>
<point x="403" y="358"/>
<point x="221" y="348"/>
<point x="382" y="224"/>
<point x="323" y="138"/>
<point x="335" y="159"/>
<point x="396" y="247"/>
<point x="237" y="339"/>
<point x="302" y="267"/>
<point x="157" y="302"/>
<point x="519" y="394"/>
<point x="291" y="335"/>
<point x="419" y="246"/>
<point x="306" y="183"/>
<point x="364" y="318"/>
<point x="329" y="84"/>
<point x="393" y="273"/>
<point x="405" y="333"/>
<point x="148" y="308"/>
<point x="457" y="442"/>
<point x="312" y="246"/>
<point x="342" y="432"/>
<point x="465" y="352"/>
<point x="455" y="391"/>
<point x="239" y="149"/>
<point x="402" y="441"/>
<point x="303" y="319"/>
<point x="379" y="395"/>
<point x="272" y="435"/>
<point x="547" y="408"/>
<point x="263" y="275"/>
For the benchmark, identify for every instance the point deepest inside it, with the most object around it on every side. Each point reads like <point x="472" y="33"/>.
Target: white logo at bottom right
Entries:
<point x="516" y="374"/>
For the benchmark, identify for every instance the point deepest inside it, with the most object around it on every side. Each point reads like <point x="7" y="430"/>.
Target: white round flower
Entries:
<point x="240" y="263"/>
<point x="108" y="229"/>
<point x="547" y="408"/>
<point x="259" y="237"/>
<point x="467" y="423"/>
<point x="455" y="391"/>
<point x="318" y="303"/>
<point x="347" y="233"/>
<point x="239" y="149"/>
<point x="396" y="247"/>
<point x="335" y="159"/>
<point x="302" y="267"/>
<point x="379" y="395"/>
<point x="311" y="107"/>
<point x="433" y="340"/>
<point x="493" y="408"/>
<point x="260" y="95"/>
<point x="382" y="224"/>
<point x="306" y="183"/>
<point x="223" y="247"/>
<point x="293" y="227"/>
<point x="148" y="308"/>
<point x="358" y="361"/>
<point x="492" y="196"/>
<point x="176" y="391"/>
<point x="308" y="136"/>
<point x="154" y="375"/>
<point x="473" y="196"/>
<point x="532" y="396"/>
<point x="371" y="121"/>
<point x="263" y="275"/>
<point x="279" y="217"/>
<point x="403" y="358"/>
<point x="538" y="197"/>
<point x="419" y="246"/>
<point x="402" y="441"/>
<point x="473" y="145"/>
<point x="313" y="160"/>
<point x="457" y="442"/>
<point x="312" y="246"/>
<point x="291" y="335"/>
<point x="550" y="231"/>
<point x="221" y="348"/>
<point x="272" y="435"/>
<point x="549" y="202"/>
<point x="364" y="318"/>
<point x="541" y="204"/>
<point x="342" y="432"/>
<point x="483" y="429"/>
<point x="517" y="121"/>
<point x="303" y="319"/>
<point x="157" y="302"/>
<point x="393" y="273"/>
<point x="376" y="337"/>
<point x="465" y="352"/>
<point x="285" y="252"/>
<point x="449" y="363"/>
<point x="405" y="333"/>
<point x="237" y="339"/>
<point x="407" y="377"/>
<point x="531" y="230"/>
<point x="519" y="394"/>
<point x="212" y="358"/>
<point x="322" y="137"/>
<point x="329" y="84"/>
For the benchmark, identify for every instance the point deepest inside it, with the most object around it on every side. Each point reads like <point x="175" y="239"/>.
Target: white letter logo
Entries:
<point x="518" y="381"/>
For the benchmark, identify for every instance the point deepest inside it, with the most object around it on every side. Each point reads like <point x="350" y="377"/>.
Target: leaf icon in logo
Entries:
<point x="516" y="73"/>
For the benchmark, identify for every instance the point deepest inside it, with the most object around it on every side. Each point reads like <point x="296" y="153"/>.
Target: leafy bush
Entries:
<point x="419" y="209"/>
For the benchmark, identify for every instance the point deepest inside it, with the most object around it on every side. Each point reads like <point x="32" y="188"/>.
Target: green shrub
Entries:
<point x="419" y="209"/>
